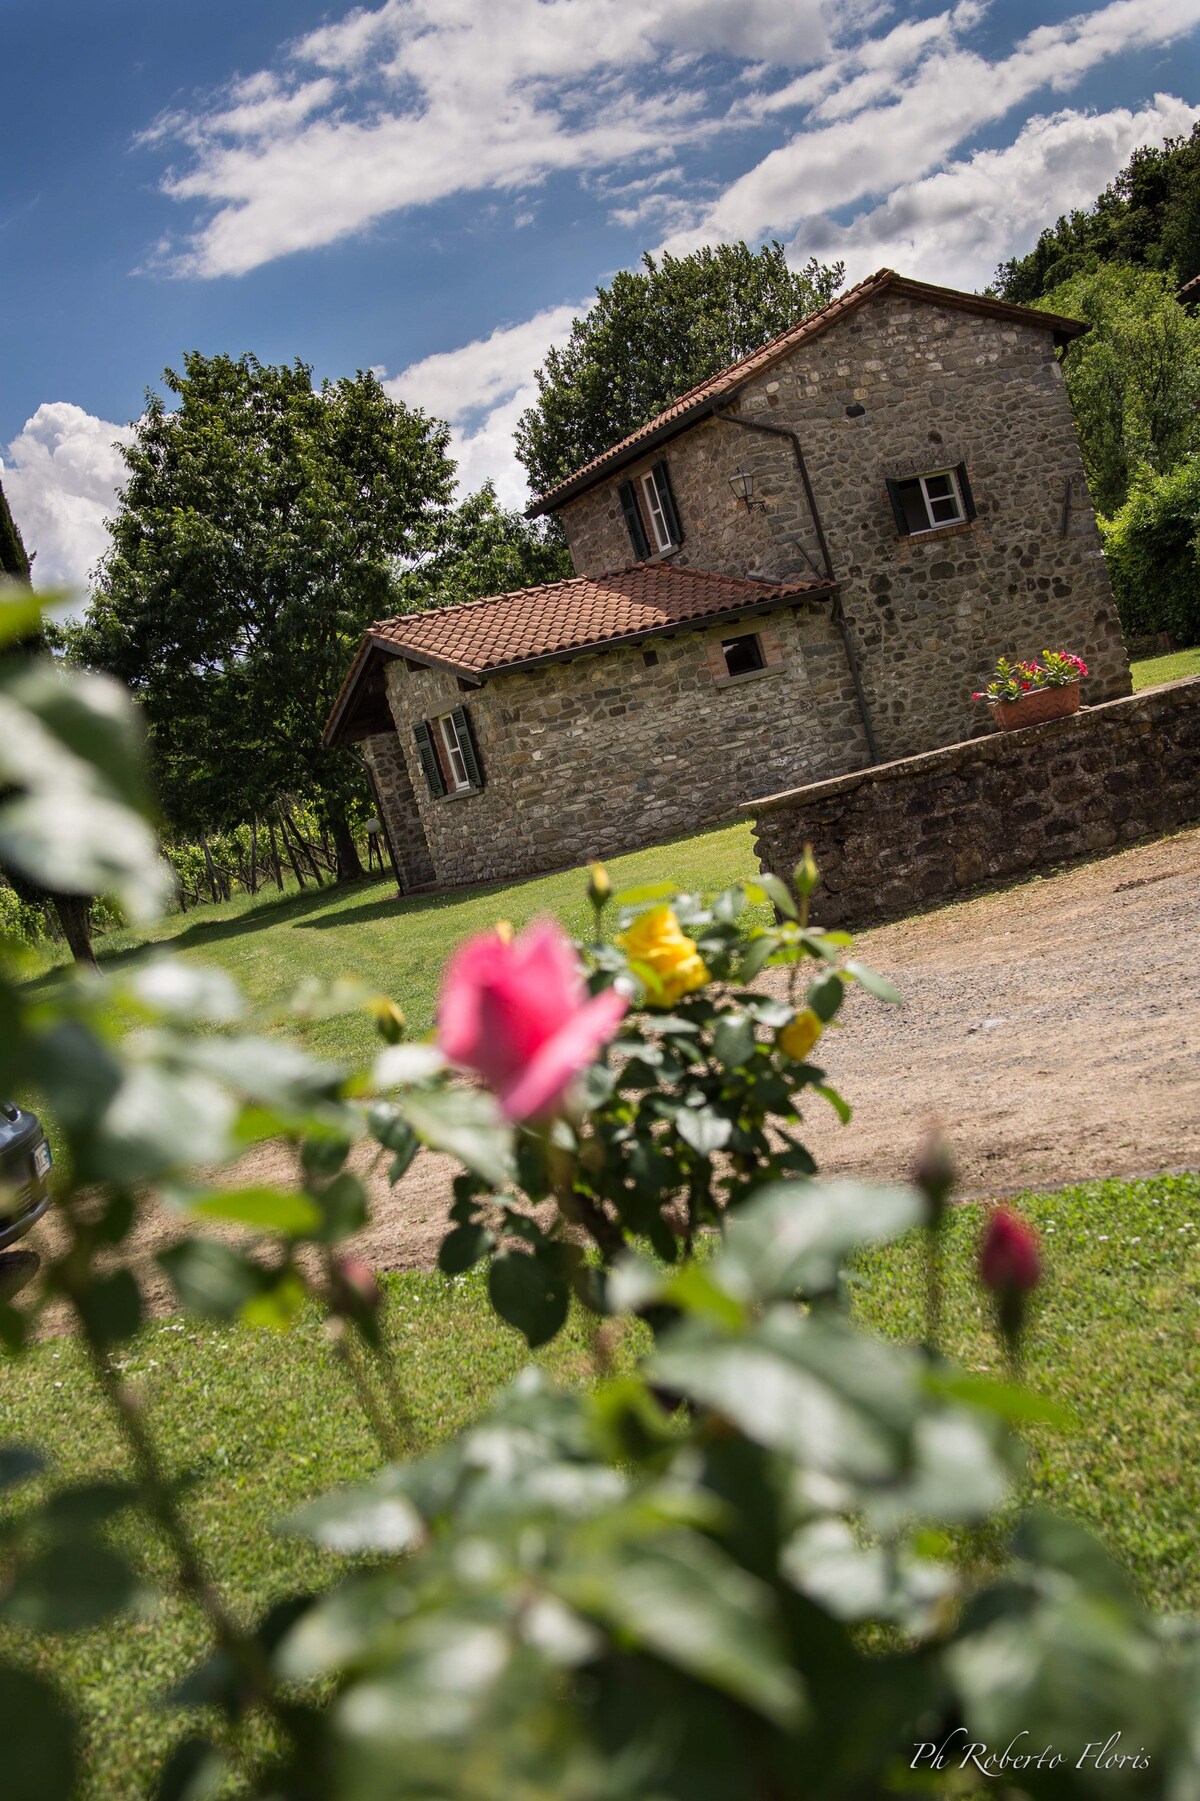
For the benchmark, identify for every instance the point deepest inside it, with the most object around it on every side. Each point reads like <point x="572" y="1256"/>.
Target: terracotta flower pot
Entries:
<point x="1036" y="708"/>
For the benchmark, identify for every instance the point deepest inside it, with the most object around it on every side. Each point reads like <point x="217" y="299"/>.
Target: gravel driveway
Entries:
<point x="1052" y="1031"/>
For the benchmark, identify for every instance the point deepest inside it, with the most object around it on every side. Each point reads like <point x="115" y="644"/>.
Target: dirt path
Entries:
<point x="1053" y="1031"/>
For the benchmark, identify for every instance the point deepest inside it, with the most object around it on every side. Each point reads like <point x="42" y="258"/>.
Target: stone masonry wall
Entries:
<point x="929" y="614"/>
<point x="398" y="805"/>
<point x="909" y="833"/>
<point x="603" y="754"/>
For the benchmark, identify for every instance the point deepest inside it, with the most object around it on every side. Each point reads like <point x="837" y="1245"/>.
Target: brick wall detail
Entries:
<point x="603" y="754"/>
<point x="924" y="829"/>
<point x="929" y="615"/>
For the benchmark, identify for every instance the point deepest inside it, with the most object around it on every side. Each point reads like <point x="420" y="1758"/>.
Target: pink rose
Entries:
<point x="517" y="1012"/>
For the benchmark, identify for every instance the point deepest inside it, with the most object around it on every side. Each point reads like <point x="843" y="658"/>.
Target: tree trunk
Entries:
<point x="349" y="868"/>
<point x="72" y="910"/>
<point x="292" y="831"/>
<point x="275" y="855"/>
<point x="254" y="856"/>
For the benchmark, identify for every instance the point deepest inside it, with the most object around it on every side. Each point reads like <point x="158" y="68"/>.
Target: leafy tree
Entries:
<point x="254" y="540"/>
<point x="1150" y="216"/>
<point x="1134" y="380"/>
<point x="1152" y="548"/>
<point x="71" y="909"/>
<point x="481" y="548"/>
<point x="652" y="335"/>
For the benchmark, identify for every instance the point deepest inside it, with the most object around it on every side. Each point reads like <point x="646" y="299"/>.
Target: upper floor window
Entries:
<point x="654" y="507"/>
<point x="925" y="503"/>
<point x="448" y="752"/>
<point x="743" y="654"/>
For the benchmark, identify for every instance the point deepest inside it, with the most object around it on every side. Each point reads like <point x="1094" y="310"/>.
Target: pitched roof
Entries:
<point x="546" y="625"/>
<point x="725" y="384"/>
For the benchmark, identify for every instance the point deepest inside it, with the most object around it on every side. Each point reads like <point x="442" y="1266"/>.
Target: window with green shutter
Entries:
<point x="429" y="758"/>
<point x="627" y="494"/>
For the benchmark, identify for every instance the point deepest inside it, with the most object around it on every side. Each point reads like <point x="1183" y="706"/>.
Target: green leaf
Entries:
<point x="373" y="1516"/>
<point x="465" y="1122"/>
<point x="18" y="1463"/>
<point x="112" y="1307"/>
<point x="85" y="1506"/>
<point x="266" y="1209"/>
<point x="792" y="1238"/>
<point x="529" y="1294"/>
<point x="344" y="1208"/>
<point x="825" y="996"/>
<point x="401" y="1065"/>
<point x="682" y="1600"/>
<point x="705" y="1130"/>
<point x="877" y="985"/>
<point x="840" y="1106"/>
<point x="39" y="1736"/>
<point x="755" y="954"/>
<point x="1017" y="1405"/>
<point x="733" y="1039"/>
<point x="779" y="895"/>
<point x="645" y="894"/>
<point x="463" y="1248"/>
<point x="278" y="1306"/>
<point x="195" y="1771"/>
<point x="68" y="1586"/>
<point x="20" y="612"/>
<point x="210" y="1278"/>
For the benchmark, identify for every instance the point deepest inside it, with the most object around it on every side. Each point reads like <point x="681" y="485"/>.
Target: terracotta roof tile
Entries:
<point x="726" y="382"/>
<point x="554" y="622"/>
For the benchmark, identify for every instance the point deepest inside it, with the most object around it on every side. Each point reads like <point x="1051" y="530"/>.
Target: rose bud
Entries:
<point x="599" y="886"/>
<point x="1010" y="1267"/>
<point x="356" y="1288"/>
<point x="933" y="1173"/>
<point x="389" y="1020"/>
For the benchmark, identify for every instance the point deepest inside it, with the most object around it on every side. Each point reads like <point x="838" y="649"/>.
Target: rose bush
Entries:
<point x="725" y="1572"/>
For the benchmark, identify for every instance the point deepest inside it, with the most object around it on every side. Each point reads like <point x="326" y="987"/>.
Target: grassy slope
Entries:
<point x="271" y="944"/>
<point x="1165" y="669"/>
<point x="267" y="1421"/>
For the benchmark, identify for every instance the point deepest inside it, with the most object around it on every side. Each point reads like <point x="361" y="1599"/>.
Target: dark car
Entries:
<point x="24" y="1172"/>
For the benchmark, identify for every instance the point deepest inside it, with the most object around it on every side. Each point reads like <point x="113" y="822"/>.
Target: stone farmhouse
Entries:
<point x="802" y="567"/>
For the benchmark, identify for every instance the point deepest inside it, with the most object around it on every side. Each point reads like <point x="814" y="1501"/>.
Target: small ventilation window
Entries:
<point x="650" y="659"/>
<point x="744" y="654"/>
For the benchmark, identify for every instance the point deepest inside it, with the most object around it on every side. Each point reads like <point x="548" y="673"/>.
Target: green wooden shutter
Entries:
<point x="429" y="761"/>
<point x="468" y="746"/>
<point x="633" y="520"/>
<point x="964" y="488"/>
<point x="666" y="500"/>
<point x="901" y="516"/>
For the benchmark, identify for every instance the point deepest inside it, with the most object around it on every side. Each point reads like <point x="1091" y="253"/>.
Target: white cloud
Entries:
<point x="482" y="389"/>
<point x="956" y="226"/>
<point x="61" y="476"/>
<point x="951" y="95"/>
<point x="417" y="100"/>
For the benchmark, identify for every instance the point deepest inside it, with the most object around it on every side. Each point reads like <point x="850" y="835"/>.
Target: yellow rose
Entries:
<point x="798" y="1038"/>
<point x="656" y="940"/>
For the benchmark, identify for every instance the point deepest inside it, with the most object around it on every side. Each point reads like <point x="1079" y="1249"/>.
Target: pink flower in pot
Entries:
<point x="517" y="1012"/>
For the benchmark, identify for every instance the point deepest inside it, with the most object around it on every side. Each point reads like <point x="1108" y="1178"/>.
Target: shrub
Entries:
<point x="1152" y="548"/>
<point x="724" y="1574"/>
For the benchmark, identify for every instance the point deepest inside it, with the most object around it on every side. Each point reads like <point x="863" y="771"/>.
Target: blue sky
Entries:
<point x="432" y="188"/>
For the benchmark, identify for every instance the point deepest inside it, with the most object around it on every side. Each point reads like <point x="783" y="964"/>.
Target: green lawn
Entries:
<point x="266" y="1421"/>
<point x="271" y="944"/>
<point x="1165" y="669"/>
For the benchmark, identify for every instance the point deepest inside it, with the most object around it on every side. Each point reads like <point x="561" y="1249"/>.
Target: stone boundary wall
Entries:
<point x="923" y="829"/>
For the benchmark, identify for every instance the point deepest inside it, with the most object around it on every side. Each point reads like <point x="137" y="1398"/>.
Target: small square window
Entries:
<point x="650" y="659"/>
<point x="744" y="654"/>
<point x="925" y="502"/>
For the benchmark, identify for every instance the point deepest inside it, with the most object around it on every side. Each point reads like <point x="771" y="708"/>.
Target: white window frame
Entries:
<point x="456" y="763"/>
<point x="955" y="494"/>
<point x="654" y="507"/>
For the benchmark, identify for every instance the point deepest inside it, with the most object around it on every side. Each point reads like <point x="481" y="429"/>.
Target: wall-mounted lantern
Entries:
<point x="742" y="483"/>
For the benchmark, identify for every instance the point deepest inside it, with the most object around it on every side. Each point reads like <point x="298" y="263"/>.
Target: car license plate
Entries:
<point x="42" y="1159"/>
